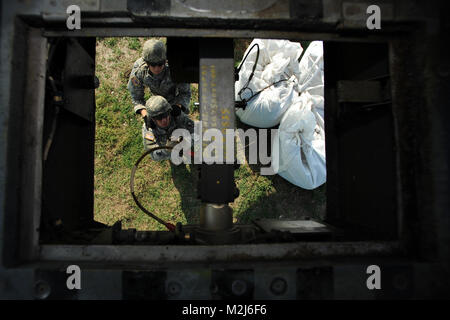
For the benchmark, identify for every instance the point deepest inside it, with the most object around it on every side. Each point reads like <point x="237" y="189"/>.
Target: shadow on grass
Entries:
<point x="260" y="196"/>
<point x="185" y="180"/>
<point x="287" y="201"/>
<point x="284" y="200"/>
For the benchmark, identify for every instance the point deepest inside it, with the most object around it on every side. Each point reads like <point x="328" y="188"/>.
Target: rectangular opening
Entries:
<point x="385" y="197"/>
<point x="101" y="144"/>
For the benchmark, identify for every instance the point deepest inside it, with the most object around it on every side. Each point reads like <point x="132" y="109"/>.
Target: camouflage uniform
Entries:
<point x="154" y="51"/>
<point x="160" y="85"/>
<point x="154" y="136"/>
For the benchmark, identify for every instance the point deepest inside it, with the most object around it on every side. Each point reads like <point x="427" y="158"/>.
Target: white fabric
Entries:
<point x="311" y="77"/>
<point x="301" y="137"/>
<point x="278" y="59"/>
<point x="301" y="143"/>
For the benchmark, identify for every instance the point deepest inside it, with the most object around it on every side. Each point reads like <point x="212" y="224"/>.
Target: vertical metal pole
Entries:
<point x="33" y="119"/>
<point x="217" y="187"/>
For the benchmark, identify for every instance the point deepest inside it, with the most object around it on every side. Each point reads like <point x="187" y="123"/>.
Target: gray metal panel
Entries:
<point x="189" y="284"/>
<point x="16" y="284"/>
<point x="100" y="285"/>
<point x="293" y="226"/>
<point x="216" y="92"/>
<point x="350" y="283"/>
<point x="128" y="31"/>
<point x="52" y="10"/>
<point x="32" y="146"/>
<point x="275" y="283"/>
<point x="8" y="34"/>
<point x="239" y="9"/>
<point x="286" y="251"/>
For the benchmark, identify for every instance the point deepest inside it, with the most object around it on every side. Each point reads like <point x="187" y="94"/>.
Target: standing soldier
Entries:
<point x="160" y="122"/>
<point x="152" y="70"/>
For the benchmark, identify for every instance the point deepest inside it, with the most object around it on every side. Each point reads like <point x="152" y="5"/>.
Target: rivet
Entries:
<point x="278" y="286"/>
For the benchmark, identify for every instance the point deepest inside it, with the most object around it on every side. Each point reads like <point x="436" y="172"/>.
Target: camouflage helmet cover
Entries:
<point x="154" y="51"/>
<point x="157" y="105"/>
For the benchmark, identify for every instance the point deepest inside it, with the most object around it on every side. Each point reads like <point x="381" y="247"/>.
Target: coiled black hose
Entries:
<point x="168" y="225"/>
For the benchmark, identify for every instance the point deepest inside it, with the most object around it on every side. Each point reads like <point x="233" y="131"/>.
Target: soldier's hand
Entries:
<point x="176" y="110"/>
<point x="182" y="108"/>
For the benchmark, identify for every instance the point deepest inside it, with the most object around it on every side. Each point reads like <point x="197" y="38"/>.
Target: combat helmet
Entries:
<point x="157" y="105"/>
<point x="154" y="51"/>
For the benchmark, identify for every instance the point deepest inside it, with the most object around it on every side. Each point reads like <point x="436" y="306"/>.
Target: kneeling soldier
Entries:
<point x="161" y="120"/>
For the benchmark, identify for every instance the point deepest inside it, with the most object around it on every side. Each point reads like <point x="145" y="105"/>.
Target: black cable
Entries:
<point x="258" y="92"/>
<point x="57" y="100"/>
<point x="253" y="70"/>
<point x="244" y="101"/>
<point x="168" y="225"/>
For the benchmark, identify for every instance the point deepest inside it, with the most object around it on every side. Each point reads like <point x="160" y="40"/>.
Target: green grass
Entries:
<point x="134" y="43"/>
<point x="111" y="42"/>
<point x="164" y="189"/>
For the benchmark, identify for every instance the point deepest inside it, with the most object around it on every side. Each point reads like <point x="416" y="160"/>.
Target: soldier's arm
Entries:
<point x="184" y="95"/>
<point x="136" y="88"/>
<point x="183" y="121"/>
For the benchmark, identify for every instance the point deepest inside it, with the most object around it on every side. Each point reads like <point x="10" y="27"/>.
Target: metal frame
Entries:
<point x="121" y="253"/>
<point x="20" y="190"/>
<point x="221" y="253"/>
<point x="33" y="122"/>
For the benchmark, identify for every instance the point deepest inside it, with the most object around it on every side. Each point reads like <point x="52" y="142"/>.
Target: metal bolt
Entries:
<point x="278" y="286"/>
<point x="42" y="290"/>
<point x="140" y="236"/>
<point x="239" y="287"/>
<point x="214" y="288"/>
<point x="174" y="288"/>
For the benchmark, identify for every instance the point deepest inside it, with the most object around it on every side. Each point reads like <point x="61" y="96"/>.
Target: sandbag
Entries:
<point x="297" y="105"/>
<point x="301" y="145"/>
<point x="268" y="107"/>
<point x="311" y="77"/>
<point x="278" y="60"/>
<point x="301" y="137"/>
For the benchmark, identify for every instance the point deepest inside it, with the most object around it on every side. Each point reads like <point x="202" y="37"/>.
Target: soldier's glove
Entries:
<point x="176" y="111"/>
<point x="149" y="123"/>
<point x="146" y="122"/>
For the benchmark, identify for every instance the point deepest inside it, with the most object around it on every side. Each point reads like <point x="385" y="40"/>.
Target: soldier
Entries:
<point x="161" y="120"/>
<point x="152" y="70"/>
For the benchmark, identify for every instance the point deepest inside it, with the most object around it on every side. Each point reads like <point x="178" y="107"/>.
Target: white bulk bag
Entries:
<point x="266" y="109"/>
<point x="311" y="78"/>
<point x="278" y="59"/>
<point x="301" y="145"/>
